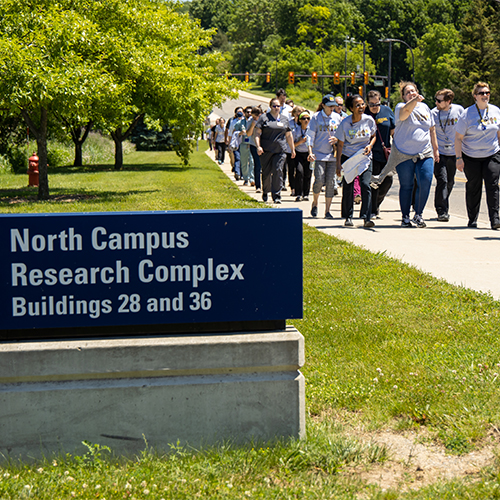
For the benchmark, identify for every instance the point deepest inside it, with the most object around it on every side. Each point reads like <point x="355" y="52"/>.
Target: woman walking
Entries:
<point x="302" y="169"/>
<point x="478" y="154"/>
<point x="414" y="136"/>
<point x="220" y="140"/>
<point x="272" y="135"/>
<point x="356" y="133"/>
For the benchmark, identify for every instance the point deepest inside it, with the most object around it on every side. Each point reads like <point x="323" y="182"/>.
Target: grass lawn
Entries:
<point x="389" y="350"/>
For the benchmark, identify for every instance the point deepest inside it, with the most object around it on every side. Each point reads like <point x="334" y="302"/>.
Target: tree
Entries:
<point x="48" y="64"/>
<point x="110" y="61"/>
<point x="436" y="56"/>
<point x="159" y="74"/>
<point x="479" y="58"/>
<point x="314" y="24"/>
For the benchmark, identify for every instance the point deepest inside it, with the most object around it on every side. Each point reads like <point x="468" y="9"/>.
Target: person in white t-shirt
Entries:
<point x="446" y="115"/>
<point x="477" y="150"/>
<point x="415" y="137"/>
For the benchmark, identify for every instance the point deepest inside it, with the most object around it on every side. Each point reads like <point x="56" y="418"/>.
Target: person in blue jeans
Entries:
<point x="415" y="140"/>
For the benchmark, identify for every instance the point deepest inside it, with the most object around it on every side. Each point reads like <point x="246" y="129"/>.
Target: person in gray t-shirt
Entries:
<point x="415" y="137"/>
<point x="477" y="140"/>
<point x="446" y="115"/>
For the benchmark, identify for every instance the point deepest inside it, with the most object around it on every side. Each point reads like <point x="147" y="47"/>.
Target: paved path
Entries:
<point x="467" y="257"/>
<point x="463" y="256"/>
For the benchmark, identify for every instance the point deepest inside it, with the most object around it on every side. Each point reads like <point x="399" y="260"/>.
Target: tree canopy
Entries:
<point x="109" y="61"/>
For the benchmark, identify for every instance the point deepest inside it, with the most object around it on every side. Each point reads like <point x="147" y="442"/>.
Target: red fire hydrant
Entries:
<point x="33" y="170"/>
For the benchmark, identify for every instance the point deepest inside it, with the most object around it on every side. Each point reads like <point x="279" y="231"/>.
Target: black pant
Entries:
<point x="379" y="194"/>
<point x="366" y="194"/>
<point x="303" y="174"/>
<point x="221" y="150"/>
<point x="273" y="165"/>
<point x="290" y="167"/>
<point x="444" y="172"/>
<point x="478" y="170"/>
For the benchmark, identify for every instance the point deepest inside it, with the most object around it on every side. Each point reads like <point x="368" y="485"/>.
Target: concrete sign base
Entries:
<point x="119" y="392"/>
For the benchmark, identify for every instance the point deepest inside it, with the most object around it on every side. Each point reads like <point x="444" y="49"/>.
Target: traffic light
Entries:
<point x="360" y="90"/>
<point x="387" y="92"/>
<point x="246" y="76"/>
<point x="365" y="74"/>
<point x="291" y="77"/>
<point x="353" y="78"/>
<point x="268" y="77"/>
<point x="336" y="78"/>
<point x="314" y="77"/>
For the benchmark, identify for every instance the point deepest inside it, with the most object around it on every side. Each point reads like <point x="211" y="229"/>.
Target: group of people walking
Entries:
<point x="365" y="147"/>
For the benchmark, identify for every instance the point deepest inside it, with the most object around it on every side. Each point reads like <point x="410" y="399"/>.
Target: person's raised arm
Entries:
<point x="408" y="108"/>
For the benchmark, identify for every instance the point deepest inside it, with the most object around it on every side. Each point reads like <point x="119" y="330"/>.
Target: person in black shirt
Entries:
<point x="384" y="118"/>
<point x="272" y="135"/>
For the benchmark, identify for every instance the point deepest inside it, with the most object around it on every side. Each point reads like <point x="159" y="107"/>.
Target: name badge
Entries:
<point x="279" y="124"/>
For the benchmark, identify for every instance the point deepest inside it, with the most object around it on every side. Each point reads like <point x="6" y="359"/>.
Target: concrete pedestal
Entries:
<point x="118" y="392"/>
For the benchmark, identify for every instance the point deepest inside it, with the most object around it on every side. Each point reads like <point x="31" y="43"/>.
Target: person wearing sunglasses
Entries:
<point x="385" y="122"/>
<point x="356" y="134"/>
<point x="272" y="135"/>
<point x="446" y="115"/>
<point x="477" y="151"/>
<point x="302" y="181"/>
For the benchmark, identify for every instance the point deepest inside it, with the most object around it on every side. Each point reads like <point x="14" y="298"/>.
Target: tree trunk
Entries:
<point x="40" y="134"/>
<point x="78" y="154"/>
<point x="78" y="141"/>
<point x="118" y="138"/>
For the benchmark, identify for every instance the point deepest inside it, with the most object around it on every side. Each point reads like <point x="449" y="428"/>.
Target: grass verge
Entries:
<point x="387" y="347"/>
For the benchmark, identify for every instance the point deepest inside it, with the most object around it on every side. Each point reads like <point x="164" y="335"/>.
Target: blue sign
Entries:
<point x="149" y="268"/>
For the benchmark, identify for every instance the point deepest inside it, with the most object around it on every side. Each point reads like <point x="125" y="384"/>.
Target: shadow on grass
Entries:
<point x="60" y="195"/>
<point x="129" y="167"/>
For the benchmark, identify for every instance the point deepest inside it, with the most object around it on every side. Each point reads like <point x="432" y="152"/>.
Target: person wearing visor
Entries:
<point x="477" y="153"/>
<point x="446" y="115"/>
<point x="321" y="143"/>
<point x="302" y="170"/>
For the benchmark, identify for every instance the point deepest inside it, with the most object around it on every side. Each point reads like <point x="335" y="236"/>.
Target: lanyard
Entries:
<point x="443" y="128"/>
<point x="484" y="120"/>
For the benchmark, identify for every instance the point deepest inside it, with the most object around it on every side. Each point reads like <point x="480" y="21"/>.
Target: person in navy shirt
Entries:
<point x="384" y="119"/>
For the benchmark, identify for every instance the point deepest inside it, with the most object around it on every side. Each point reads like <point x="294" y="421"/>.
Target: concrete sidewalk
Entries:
<point x="451" y="251"/>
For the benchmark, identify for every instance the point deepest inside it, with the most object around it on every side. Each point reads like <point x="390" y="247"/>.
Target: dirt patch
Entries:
<point x="413" y="464"/>
<point x="415" y="458"/>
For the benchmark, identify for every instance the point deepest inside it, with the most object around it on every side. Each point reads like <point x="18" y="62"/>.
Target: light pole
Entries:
<point x="322" y="74"/>
<point x="389" y="41"/>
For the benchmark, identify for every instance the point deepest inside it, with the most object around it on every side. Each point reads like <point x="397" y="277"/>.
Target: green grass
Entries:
<point x="387" y="346"/>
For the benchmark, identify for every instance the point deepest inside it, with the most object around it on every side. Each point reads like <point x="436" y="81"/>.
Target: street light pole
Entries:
<point x="322" y="74"/>
<point x="276" y="57"/>
<point x="390" y="40"/>
<point x="345" y="69"/>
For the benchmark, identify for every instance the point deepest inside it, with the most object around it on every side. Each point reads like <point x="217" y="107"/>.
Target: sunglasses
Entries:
<point x="275" y="106"/>
<point x="439" y="100"/>
<point x="373" y="104"/>
<point x="483" y="93"/>
<point x="305" y="118"/>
